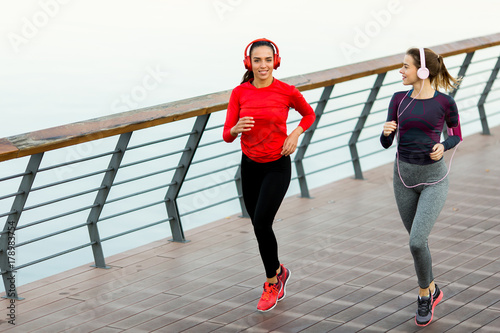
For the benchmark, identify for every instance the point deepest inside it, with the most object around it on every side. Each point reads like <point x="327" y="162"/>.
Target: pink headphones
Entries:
<point x="423" y="72"/>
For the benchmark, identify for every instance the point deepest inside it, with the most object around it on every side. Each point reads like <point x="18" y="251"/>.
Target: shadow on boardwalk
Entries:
<point x="347" y="249"/>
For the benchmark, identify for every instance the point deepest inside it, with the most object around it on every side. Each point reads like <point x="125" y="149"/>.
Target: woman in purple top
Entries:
<point x="420" y="183"/>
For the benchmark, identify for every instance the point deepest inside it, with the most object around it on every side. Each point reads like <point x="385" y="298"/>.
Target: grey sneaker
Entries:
<point x="426" y="305"/>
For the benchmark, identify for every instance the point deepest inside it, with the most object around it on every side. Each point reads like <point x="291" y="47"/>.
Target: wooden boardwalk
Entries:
<point x="351" y="267"/>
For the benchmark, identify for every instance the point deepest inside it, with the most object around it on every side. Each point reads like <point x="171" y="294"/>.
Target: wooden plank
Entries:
<point x="8" y="150"/>
<point x="351" y="266"/>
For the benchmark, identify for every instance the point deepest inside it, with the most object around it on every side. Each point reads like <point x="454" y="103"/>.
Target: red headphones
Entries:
<point x="248" y="62"/>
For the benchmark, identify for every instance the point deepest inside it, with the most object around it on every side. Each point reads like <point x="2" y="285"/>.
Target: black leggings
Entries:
<point x="264" y="187"/>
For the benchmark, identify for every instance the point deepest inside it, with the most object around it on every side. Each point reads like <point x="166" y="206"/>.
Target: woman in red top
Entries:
<point x="258" y="110"/>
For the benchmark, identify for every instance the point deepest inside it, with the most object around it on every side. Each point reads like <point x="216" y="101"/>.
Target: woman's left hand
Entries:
<point x="291" y="141"/>
<point x="290" y="145"/>
<point x="437" y="152"/>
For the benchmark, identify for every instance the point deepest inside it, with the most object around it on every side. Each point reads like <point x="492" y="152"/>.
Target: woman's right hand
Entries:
<point x="389" y="127"/>
<point x="244" y="124"/>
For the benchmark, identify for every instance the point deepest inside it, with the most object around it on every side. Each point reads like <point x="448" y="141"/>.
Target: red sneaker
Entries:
<point x="269" y="297"/>
<point x="283" y="277"/>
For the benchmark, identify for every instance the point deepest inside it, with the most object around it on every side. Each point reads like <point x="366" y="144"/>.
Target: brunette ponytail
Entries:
<point x="444" y="78"/>
<point x="247" y="76"/>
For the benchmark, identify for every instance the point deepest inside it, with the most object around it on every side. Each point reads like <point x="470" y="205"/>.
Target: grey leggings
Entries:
<point x="419" y="208"/>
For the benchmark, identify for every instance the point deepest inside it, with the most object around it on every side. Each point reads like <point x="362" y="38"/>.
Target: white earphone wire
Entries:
<point x="398" y="137"/>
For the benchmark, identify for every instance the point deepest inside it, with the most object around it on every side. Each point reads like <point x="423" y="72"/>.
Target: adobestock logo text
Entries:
<point x="364" y="35"/>
<point x="31" y="26"/>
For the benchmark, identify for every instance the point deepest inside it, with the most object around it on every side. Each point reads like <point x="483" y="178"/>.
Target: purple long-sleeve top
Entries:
<point x="420" y="124"/>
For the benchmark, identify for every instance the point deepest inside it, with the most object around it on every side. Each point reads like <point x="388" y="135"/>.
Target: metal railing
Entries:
<point x="110" y="177"/>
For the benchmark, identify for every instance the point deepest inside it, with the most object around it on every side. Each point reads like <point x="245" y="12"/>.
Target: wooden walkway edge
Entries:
<point x="347" y="249"/>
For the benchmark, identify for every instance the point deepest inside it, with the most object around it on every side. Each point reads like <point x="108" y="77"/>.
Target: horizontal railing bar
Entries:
<point x="338" y="123"/>
<point x="391" y="83"/>
<point x="154" y="158"/>
<point x="159" y="141"/>
<point x="205" y="188"/>
<point x="54" y="255"/>
<point x="469" y="121"/>
<point x="77" y="161"/>
<point x="147" y="175"/>
<point x="328" y="167"/>
<point x="212" y="171"/>
<point x="63" y="198"/>
<point x="213" y="157"/>
<point x="14" y="176"/>
<point x="379" y="123"/>
<point x="214" y="127"/>
<point x="330" y="137"/>
<point x="132" y="210"/>
<point x="344" y="107"/>
<point x="349" y="94"/>
<point x="206" y="144"/>
<point x="136" y="229"/>
<point x="11" y="195"/>
<point x="383" y="97"/>
<point x="371" y="137"/>
<point x="494" y="113"/>
<point x="139" y="193"/>
<point x="70" y="179"/>
<point x="480" y="72"/>
<point x="372" y="153"/>
<point x="466" y="108"/>
<point x="483" y="60"/>
<point x="51" y="234"/>
<point x="313" y="102"/>
<point x="472" y="85"/>
<point x="338" y="164"/>
<point x="206" y="207"/>
<point x="56" y="216"/>
<point x="458" y="100"/>
<point x="475" y="95"/>
<point x="493" y="100"/>
<point x="326" y="151"/>
<point x="7" y="214"/>
<point x="378" y="111"/>
<point x="454" y="67"/>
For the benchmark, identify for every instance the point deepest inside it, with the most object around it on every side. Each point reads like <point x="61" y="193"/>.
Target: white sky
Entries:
<point x="69" y="60"/>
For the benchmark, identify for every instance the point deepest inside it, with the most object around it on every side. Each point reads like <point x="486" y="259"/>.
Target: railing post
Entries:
<point x="306" y="140"/>
<point x="101" y="197"/>
<point x="358" y="174"/>
<point x="239" y="188"/>
<point x="180" y="175"/>
<point x="461" y="73"/>
<point x="463" y="70"/>
<point x="7" y="239"/>
<point x="484" y="95"/>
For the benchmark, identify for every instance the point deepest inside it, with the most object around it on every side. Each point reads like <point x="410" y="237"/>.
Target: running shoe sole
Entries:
<point x="284" y="284"/>
<point x="434" y="303"/>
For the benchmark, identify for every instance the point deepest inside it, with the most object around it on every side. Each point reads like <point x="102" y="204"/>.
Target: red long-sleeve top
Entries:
<point x="269" y="108"/>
